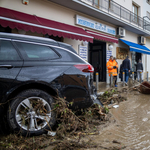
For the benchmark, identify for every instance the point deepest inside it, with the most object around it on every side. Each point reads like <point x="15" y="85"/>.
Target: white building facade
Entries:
<point x="90" y="26"/>
<point x="146" y="16"/>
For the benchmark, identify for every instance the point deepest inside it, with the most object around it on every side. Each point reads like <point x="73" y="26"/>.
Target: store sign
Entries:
<point x="83" y="52"/>
<point x="94" y="25"/>
<point x="109" y="53"/>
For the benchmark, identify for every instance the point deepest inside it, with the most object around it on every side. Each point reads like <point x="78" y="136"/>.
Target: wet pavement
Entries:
<point x="132" y="127"/>
<point x="103" y="86"/>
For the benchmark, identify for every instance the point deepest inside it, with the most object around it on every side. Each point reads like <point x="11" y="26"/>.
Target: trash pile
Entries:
<point x="145" y="87"/>
<point x="71" y="126"/>
<point x="112" y="97"/>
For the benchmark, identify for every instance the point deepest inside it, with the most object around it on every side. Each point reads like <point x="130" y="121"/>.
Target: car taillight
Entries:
<point x="85" y="67"/>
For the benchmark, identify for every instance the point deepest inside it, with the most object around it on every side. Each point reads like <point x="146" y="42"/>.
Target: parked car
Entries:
<point x="34" y="70"/>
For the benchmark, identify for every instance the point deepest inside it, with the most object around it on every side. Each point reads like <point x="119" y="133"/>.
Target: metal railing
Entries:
<point x="121" y="12"/>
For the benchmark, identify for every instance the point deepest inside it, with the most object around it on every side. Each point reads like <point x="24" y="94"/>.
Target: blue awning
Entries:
<point x="137" y="47"/>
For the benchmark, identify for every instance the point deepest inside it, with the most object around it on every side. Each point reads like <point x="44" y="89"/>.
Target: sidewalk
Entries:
<point x="103" y="86"/>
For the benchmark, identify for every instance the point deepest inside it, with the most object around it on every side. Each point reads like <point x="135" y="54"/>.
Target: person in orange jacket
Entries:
<point x="112" y="66"/>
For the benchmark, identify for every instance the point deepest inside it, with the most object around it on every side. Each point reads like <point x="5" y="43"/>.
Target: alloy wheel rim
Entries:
<point x="33" y="113"/>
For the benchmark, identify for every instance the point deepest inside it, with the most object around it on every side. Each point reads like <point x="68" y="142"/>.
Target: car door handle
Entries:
<point x="6" y="66"/>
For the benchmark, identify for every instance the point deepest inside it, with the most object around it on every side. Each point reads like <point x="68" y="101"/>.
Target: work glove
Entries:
<point x="114" y="67"/>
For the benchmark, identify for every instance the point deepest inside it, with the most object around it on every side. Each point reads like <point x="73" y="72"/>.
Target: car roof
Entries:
<point x="27" y="38"/>
<point x="35" y="39"/>
<point x="67" y="46"/>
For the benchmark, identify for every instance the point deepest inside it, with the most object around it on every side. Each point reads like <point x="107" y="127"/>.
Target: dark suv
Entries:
<point x="33" y="70"/>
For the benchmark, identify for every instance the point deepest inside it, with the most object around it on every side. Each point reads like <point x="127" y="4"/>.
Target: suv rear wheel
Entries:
<point x="31" y="112"/>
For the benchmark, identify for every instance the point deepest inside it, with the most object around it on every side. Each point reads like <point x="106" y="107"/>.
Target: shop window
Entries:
<point x="121" y="53"/>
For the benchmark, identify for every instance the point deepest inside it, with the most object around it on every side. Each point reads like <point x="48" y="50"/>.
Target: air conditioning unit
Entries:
<point x="142" y="40"/>
<point x="121" y="32"/>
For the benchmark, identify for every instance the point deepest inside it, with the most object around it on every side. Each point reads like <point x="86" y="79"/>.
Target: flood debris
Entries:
<point x="15" y="142"/>
<point x="115" y="141"/>
<point x="100" y="93"/>
<point x="83" y="120"/>
<point x="115" y="106"/>
<point x="112" y="97"/>
<point x="68" y="122"/>
<point x="75" y="145"/>
<point x="145" y="87"/>
<point x="51" y="133"/>
<point x="116" y="148"/>
<point x="71" y="126"/>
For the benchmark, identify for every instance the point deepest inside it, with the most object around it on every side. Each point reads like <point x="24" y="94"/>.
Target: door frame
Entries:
<point x="103" y="44"/>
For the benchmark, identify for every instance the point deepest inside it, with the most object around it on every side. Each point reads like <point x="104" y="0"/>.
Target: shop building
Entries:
<point x="146" y="16"/>
<point x="95" y="28"/>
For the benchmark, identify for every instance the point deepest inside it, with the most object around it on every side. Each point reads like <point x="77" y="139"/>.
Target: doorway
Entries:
<point x="97" y="58"/>
<point x="135" y="59"/>
<point x="138" y="57"/>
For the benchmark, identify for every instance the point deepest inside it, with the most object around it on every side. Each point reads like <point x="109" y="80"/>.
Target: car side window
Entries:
<point x="36" y="52"/>
<point x="8" y="51"/>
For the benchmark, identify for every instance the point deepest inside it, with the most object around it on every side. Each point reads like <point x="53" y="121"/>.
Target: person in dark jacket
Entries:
<point x="120" y="74"/>
<point x="126" y="68"/>
<point x="139" y="70"/>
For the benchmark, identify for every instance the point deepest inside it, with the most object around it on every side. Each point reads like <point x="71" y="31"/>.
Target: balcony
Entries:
<point x="111" y="12"/>
<point x="120" y="12"/>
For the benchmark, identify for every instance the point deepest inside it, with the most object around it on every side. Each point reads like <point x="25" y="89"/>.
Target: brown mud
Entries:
<point x="131" y="130"/>
<point x="125" y="127"/>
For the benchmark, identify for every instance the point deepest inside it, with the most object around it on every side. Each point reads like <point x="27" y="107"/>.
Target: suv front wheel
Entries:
<point x="31" y="112"/>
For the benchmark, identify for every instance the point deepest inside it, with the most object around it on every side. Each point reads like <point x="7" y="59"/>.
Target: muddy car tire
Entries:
<point x="30" y="113"/>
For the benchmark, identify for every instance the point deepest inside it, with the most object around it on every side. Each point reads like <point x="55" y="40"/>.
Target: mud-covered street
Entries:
<point x="126" y="128"/>
<point x="132" y="127"/>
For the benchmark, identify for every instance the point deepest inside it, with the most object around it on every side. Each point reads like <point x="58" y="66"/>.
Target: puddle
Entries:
<point x="133" y="124"/>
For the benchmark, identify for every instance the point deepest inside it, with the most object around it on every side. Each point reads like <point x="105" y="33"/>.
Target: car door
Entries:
<point x="41" y="62"/>
<point x="10" y="65"/>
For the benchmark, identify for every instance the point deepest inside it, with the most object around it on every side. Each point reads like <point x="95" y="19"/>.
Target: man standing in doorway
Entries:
<point x="126" y="68"/>
<point x="139" y="71"/>
<point x="112" y="69"/>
